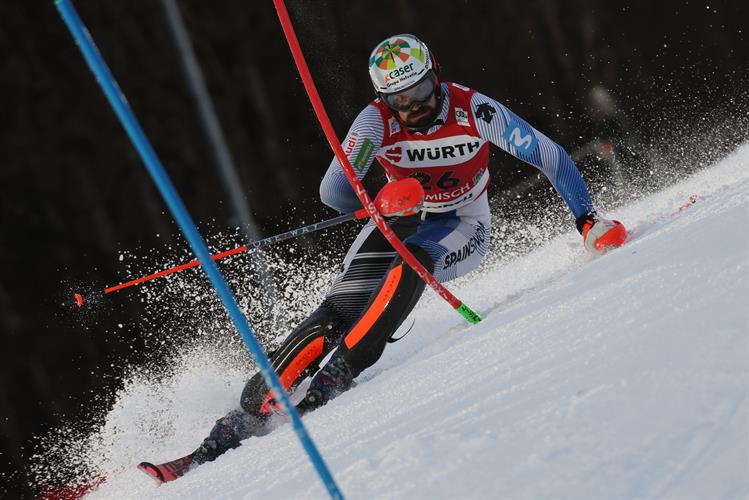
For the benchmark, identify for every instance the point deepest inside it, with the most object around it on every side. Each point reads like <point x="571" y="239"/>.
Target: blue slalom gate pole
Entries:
<point x="187" y="226"/>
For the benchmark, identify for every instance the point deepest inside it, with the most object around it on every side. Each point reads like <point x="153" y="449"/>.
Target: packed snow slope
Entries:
<point x="614" y="377"/>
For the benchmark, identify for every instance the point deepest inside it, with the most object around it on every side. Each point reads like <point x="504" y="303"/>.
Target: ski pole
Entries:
<point x="184" y="220"/>
<point x="322" y="116"/>
<point x="317" y="226"/>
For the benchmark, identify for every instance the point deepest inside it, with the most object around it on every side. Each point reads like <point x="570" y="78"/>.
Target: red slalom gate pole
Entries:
<point x="361" y="193"/>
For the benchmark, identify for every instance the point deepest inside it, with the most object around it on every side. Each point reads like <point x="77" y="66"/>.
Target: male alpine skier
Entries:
<point x="438" y="133"/>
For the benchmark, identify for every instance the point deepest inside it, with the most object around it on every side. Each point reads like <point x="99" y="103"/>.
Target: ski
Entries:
<point x="168" y="471"/>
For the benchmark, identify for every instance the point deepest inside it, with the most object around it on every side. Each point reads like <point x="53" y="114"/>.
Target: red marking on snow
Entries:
<point x="71" y="492"/>
<point x="692" y="200"/>
<point x="78" y="299"/>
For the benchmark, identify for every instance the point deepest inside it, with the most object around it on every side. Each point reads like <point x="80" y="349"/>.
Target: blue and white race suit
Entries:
<point x="451" y="160"/>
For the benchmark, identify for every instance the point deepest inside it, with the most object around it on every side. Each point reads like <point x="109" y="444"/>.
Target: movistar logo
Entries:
<point x="437" y="153"/>
<point x="520" y="140"/>
<point x="519" y="134"/>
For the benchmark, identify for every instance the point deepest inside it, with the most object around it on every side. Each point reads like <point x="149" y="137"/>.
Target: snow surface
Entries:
<point x="617" y="377"/>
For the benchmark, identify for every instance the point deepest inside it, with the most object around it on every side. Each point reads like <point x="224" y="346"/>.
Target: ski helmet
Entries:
<point x="398" y="63"/>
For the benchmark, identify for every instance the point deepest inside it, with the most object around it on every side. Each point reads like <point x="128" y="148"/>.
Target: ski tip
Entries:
<point x="168" y="471"/>
<point x="152" y="471"/>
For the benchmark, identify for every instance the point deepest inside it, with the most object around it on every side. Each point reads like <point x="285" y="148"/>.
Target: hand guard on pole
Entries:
<point x="400" y="198"/>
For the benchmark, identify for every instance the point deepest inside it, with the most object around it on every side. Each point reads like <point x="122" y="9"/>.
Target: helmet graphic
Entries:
<point x="398" y="63"/>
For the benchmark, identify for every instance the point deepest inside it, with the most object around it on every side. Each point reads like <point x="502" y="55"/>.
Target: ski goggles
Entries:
<point x="421" y="92"/>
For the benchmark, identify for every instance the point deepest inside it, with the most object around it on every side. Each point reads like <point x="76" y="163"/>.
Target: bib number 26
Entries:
<point x="446" y="181"/>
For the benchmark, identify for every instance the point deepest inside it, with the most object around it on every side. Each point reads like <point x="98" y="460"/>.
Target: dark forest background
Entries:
<point x="73" y="192"/>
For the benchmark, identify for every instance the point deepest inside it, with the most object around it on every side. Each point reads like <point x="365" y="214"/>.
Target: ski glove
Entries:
<point x="600" y="235"/>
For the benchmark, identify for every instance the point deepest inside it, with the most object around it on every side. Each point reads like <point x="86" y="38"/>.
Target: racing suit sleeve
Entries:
<point x="503" y="128"/>
<point x="360" y="145"/>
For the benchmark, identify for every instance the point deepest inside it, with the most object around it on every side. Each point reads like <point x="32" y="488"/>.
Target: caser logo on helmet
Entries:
<point x="396" y="63"/>
<point x="399" y="72"/>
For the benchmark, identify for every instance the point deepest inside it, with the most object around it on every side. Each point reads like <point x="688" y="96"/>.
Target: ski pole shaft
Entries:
<point x="249" y="246"/>
<point x="356" y="184"/>
<point x="173" y="270"/>
<point x="317" y="226"/>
